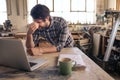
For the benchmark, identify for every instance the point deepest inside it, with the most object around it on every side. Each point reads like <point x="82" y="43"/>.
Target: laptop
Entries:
<point x="14" y="55"/>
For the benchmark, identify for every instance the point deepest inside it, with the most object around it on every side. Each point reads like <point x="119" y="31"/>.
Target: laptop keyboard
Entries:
<point x="34" y="61"/>
<point x="32" y="64"/>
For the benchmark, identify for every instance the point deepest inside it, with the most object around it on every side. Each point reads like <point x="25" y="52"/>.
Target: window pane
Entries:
<point x="48" y="3"/>
<point x="3" y="6"/>
<point x="57" y="5"/>
<point x="31" y="3"/>
<point x="91" y="5"/>
<point x="3" y="17"/>
<point x="65" y="15"/>
<point x="75" y="17"/>
<point x="3" y="11"/>
<point x="91" y="17"/>
<point x="61" y="5"/>
<point x="29" y="18"/>
<point x="78" y="5"/>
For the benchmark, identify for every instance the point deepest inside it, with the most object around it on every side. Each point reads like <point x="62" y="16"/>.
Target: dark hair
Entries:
<point x="40" y="11"/>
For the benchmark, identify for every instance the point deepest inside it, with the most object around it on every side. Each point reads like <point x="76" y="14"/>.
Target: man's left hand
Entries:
<point x="34" y="51"/>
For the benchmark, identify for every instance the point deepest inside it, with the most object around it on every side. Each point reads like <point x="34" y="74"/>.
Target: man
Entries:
<point x="53" y="29"/>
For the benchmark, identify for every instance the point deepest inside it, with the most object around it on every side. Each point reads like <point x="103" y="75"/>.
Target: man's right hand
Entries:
<point x="32" y="27"/>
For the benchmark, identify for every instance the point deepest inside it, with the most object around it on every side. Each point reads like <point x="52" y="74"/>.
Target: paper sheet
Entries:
<point x="77" y="58"/>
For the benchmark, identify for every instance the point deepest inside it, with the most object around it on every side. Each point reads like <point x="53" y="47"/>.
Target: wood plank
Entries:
<point x="96" y="44"/>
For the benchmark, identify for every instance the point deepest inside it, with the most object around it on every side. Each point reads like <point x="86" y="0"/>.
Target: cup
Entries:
<point x="65" y="66"/>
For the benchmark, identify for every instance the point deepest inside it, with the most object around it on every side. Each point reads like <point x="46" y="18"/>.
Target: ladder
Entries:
<point x="112" y="39"/>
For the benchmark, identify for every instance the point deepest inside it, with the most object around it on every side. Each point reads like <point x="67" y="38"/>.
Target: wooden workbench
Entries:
<point x="50" y="71"/>
<point x="20" y="35"/>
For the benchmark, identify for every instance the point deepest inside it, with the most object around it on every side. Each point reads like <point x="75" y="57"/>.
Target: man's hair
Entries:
<point x="40" y="11"/>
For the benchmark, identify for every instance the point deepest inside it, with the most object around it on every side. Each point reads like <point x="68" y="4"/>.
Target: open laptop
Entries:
<point x="13" y="54"/>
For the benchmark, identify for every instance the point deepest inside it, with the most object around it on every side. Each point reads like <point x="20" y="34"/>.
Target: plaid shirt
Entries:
<point x="57" y="34"/>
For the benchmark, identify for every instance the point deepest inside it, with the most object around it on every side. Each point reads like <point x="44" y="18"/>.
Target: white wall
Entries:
<point x="112" y="4"/>
<point x="19" y="21"/>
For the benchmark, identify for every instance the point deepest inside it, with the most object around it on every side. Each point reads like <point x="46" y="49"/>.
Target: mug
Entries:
<point x="65" y="66"/>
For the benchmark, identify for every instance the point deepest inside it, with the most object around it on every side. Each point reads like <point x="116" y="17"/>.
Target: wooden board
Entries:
<point x="96" y="44"/>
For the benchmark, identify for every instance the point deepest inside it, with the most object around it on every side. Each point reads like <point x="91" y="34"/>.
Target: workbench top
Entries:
<point x="50" y="71"/>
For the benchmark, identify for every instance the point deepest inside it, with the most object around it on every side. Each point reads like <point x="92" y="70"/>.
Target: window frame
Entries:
<point x="80" y="10"/>
<point x="87" y="12"/>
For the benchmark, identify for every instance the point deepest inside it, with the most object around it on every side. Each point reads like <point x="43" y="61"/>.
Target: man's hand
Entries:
<point x="32" y="27"/>
<point x="35" y="51"/>
<point x="29" y="41"/>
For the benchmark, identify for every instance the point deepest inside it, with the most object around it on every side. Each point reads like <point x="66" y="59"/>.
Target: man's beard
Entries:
<point x="45" y="26"/>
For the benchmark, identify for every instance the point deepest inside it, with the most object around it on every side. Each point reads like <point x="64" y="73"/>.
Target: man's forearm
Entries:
<point x="29" y="41"/>
<point x="48" y="49"/>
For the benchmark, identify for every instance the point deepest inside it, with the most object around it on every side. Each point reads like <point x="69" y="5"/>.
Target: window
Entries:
<point x="61" y="6"/>
<point x="90" y="6"/>
<point x="48" y="3"/>
<point x="30" y="5"/>
<point x="82" y="11"/>
<point x="78" y="5"/>
<point x="3" y="11"/>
